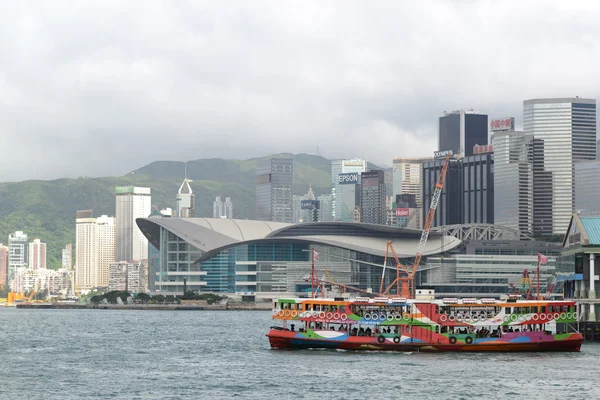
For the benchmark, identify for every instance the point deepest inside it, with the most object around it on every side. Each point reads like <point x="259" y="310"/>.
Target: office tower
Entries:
<point x="131" y="203"/>
<point x="407" y="178"/>
<point x="345" y="194"/>
<point x="513" y="180"/>
<point x="217" y="207"/>
<point x="461" y="130"/>
<point x="564" y="131"/>
<point x="598" y="150"/>
<point x="228" y="208"/>
<point x="37" y="255"/>
<point x="372" y="197"/>
<point x="326" y="210"/>
<point x="468" y="195"/>
<point x="86" y="250"/>
<point x="67" y="257"/>
<point x="449" y="209"/>
<point x="587" y="188"/>
<point x="3" y="266"/>
<point x="186" y="202"/>
<point x="306" y="207"/>
<point x="274" y="181"/>
<point x="17" y="253"/>
<point x="107" y="243"/>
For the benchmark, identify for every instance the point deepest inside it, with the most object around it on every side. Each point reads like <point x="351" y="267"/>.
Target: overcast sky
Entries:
<point x="102" y="88"/>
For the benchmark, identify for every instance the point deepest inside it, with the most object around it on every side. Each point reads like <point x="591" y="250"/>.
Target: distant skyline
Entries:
<point x="104" y="87"/>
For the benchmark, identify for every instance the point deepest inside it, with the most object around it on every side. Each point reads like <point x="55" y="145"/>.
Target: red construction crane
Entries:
<point x="406" y="274"/>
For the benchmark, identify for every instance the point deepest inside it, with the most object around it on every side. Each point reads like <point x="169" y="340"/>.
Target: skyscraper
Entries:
<point x="17" y="253"/>
<point x="186" y="202"/>
<point x="86" y="250"/>
<point x="274" y="182"/>
<point x="513" y="180"/>
<point x="449" y="209"/>
<point x="372" y="197"/>
<point x="107" y="237"/>
<point x="95" y="247"/>
<point x="461" y="130"/>
<point x="477" y="186"/>
<point x="217" y="207"/>
<point x="587" y="188"/>
<point x="131" y="203"/>
<point x="564" y="131"/>
<point x="3" y="266"/>
<point x="407" y="179"/>
<point x="345" y="194"/>
<point x="37" y="254"/>
<point x="228" y="208"/>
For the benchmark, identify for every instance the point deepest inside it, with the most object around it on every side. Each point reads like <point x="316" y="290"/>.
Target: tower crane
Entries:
<point x="405" y="275"/>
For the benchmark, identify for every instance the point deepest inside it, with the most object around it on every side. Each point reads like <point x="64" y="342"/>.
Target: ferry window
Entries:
<point x="507" y="310"/>
<point x="517" y="310"/>
<point x="543" y="309"/>
<point x="342" y="308"/>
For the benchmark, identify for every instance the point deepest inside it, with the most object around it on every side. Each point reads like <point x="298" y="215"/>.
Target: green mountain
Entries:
<point x="46" y="209"/>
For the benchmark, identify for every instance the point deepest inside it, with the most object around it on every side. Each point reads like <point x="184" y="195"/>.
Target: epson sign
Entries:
<point x="348" y="179"/>
<point x="443" y="153"/>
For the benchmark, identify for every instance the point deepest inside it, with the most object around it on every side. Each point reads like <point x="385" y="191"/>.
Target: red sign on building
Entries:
<point x="502" y="124"/>
<point x="486" y="148"/>
<point x="402" y="212"/>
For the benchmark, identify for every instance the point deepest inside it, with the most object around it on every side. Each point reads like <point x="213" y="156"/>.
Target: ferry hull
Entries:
<point x="292" y="340"/>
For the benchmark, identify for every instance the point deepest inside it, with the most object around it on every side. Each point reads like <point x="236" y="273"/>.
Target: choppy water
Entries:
<point x="81" y="354"/>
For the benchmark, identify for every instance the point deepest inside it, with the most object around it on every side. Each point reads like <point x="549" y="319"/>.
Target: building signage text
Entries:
<point x="350" y="178"/>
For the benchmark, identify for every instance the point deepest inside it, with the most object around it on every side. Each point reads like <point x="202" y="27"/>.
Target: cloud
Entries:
<point x="101" y="88"/>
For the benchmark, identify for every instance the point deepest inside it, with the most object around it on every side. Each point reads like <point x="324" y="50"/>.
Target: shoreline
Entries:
<point x="148" y="307"/>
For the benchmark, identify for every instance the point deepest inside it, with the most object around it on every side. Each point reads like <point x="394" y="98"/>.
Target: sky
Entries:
<point x="100" y="88"/>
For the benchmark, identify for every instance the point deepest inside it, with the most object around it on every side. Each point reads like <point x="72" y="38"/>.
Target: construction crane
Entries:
<point x="406" y="274"/>
<point x="32" y="293"/>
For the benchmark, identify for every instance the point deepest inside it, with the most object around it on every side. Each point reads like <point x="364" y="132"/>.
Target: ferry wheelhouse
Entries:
<point x="448" y="324"/>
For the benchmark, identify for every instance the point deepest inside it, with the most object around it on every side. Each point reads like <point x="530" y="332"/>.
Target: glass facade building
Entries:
<point x="587" y="187"/>
<point x="274" y="181"/>
<point x="564" y="131"/>
<point x="461" y="130"/>
<point x="345" y="192"/>
<point x="513" y="176"/>
<point x="372" y="198"/>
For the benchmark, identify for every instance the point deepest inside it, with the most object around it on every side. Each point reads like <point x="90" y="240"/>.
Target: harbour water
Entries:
<point x="82" y="354"/>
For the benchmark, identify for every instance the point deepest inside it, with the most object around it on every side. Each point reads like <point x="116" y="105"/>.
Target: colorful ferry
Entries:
<point x="448" y="324"/>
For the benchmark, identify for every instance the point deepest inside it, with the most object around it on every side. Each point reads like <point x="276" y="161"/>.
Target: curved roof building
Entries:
<point x="260" y="257"/>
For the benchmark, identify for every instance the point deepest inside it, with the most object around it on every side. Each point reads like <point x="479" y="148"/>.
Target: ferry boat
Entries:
<point x="450" y="324"/>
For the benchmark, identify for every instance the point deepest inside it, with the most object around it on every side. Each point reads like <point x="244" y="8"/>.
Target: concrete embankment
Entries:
<point x="156" y="307"/>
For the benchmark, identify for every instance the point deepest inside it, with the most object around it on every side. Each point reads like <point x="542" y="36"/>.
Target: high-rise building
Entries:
<point x="131" y="203"/>
<point x="407" y="211"/>
<point x="95" y="248"/>
<point x="477" y="189"/>
<point x="407" y="178"/>
<point x="513" y="180"/>
<point x="186" y="202"/>
<point x="37" y="254"/>
<point x="461" y="130"/>
<point x="564" y="131"/>
<point x="228" y="208"/>
<point x="274" y="183"/>
<point x="17" y="253"/>
<point x="325" y="210"/>
<point x="217" y="207"/>
<point x="468" y="195"/>
<point x="107" y="238"/>
<point x="345" y="192"/>
<point x="305" y="211"/>
<point x="86" y="250"/>
<point x="373" y="208"/>
<point x="587" y="188"/>
<point x="67" y="257"/>
<point x="3" y="266"/>
<point x="449" y="209"/>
